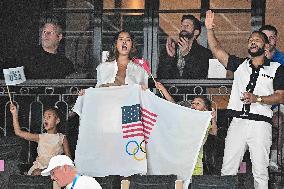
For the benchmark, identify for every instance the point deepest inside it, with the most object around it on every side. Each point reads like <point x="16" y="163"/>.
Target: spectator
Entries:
<point x="49" y="144"/>
<point x="258" y="83"/>
<point x="272" y="53"/>
<point x="185" y="58"/>
<point x="119" y="68"/>
<point x="62" y="170"/>
<point x="45" y="62"/>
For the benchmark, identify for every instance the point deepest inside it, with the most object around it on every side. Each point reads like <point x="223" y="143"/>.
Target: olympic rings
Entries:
<point x="142" y="146"/>
<point x="133" y="151"/>
<point x="139" y="159"/>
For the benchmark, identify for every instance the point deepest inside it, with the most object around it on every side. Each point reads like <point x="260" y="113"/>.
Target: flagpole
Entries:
<point x="145" y="65"/>
<point x="9" y="94"/>
<point x="156" y="84"/>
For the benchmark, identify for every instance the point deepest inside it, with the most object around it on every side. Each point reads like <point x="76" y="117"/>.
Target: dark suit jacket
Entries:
<point x="196" y="64"/>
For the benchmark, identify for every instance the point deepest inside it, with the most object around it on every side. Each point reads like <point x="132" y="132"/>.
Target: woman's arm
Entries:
<point x="17" y="129"/>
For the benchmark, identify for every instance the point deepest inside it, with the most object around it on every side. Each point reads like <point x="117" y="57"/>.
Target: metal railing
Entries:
<point x="33" y="96"/>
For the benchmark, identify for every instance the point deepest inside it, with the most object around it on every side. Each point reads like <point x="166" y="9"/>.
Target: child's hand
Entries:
<point x="81" y="92"/>
<point x="13" y="109"/>
<point x="214" y="115"/>
<point x="160" y="86"/>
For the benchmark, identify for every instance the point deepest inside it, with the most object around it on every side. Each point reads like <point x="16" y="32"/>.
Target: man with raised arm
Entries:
<point x="258" y="83"/>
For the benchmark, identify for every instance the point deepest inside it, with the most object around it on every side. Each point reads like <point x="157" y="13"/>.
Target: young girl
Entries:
<point x="50" y="143"/>
<point x="200" y="103"/>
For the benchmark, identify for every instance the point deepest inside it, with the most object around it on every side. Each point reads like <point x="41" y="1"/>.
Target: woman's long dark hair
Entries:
<point x="113" y="54"/>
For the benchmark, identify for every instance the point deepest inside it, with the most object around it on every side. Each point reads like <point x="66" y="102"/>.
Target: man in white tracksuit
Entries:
<point x="258" y="84"/>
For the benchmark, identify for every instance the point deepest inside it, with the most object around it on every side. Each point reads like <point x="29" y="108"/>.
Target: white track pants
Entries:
<point x="256" y="135"/>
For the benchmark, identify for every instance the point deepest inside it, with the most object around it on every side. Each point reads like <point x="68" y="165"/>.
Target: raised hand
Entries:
<point x="171" y="47"/>
<point x="13" y="109"/>
<point x="160" y="87"/>
<point x="184" y="46"/>
<point x="209" y="20"/>
<point x="214" y="114"/>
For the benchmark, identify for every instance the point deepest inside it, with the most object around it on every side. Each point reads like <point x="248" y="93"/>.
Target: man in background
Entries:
<point x="45" y="61"/>
<point x="272" y="53"/>
<point x="185" y="58"/>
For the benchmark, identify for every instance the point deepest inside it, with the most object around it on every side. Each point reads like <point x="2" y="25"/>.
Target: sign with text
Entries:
<point x="14" y="76"/>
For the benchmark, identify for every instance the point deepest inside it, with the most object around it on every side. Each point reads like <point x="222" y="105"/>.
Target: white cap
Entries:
<point x="57" y="161"/>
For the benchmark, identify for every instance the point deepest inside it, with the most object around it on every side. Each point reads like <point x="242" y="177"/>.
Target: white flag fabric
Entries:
<point x="117" y="122"/>
<point x="14" y="76"/>
<point x="176" y="138"/>
<point x="110" y="140"/>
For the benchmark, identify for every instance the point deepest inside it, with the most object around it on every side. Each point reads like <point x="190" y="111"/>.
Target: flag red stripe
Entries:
<point x="147" y="132"/>
<point x="147" y="128"/>
<point x="133" y="130"/>
<point x="148" y="117"/>
<point x="133" y="135"/>
<point x="150" y="113"/>
<point x="148" y="122"/>
<point x="132" y="125"/>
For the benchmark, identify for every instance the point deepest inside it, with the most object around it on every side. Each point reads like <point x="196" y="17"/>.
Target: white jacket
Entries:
<point x="135" y="74"/>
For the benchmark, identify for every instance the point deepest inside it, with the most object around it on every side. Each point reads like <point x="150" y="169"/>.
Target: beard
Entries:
<point x="259" y="52"/>
<point x="186" y="34"/>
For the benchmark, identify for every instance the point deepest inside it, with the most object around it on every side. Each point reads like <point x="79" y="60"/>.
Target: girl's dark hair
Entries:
<point x="113" y="54"/>
<point x="61" y="125"/>
<point x="207" y="102"/>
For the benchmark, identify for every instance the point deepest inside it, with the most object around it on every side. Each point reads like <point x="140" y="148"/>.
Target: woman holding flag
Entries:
<point x="120" y="69"/>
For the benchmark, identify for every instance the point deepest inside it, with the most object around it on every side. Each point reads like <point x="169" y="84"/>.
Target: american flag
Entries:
<point x="137" y="121"/>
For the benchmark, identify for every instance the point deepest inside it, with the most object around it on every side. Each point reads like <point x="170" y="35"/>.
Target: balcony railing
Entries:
<point x="33" y="96"/>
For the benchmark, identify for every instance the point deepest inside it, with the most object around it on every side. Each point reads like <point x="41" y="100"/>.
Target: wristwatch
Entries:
<point x="258" y="99"/>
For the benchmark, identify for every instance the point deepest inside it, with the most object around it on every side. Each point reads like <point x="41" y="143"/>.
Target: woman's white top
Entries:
<point x="135" y="74"/>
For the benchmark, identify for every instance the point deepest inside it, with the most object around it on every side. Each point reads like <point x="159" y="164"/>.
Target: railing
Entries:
<point x="33" y="96"/>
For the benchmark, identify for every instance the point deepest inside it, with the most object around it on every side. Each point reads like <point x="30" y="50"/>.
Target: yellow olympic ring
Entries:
<point x="134" y="155"/>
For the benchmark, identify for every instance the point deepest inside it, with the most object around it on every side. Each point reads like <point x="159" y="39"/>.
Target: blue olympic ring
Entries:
<point x="136" y="149"/>
<point x="126" y="148"/>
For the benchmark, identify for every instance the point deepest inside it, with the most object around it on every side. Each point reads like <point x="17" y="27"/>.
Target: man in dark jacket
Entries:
<point x="45" y="61"/>
<point x="185" y="58"/>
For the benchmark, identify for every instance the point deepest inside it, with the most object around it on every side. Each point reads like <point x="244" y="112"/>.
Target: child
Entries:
<point x="50" y="143"/>
<point x="200" y="103"/>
